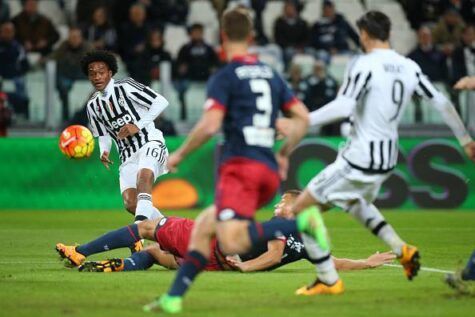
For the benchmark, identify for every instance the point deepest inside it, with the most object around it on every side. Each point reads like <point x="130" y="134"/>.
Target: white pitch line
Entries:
<point x="427" y="269"/>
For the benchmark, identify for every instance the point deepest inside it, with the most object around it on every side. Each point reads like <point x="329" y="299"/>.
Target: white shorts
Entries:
<point x="153" y="155"/>
<point x="339" y="185"/>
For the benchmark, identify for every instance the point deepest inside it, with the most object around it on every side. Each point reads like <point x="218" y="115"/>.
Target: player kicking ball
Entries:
<point x="378" y="86"/>
<point x="124" y="111"/>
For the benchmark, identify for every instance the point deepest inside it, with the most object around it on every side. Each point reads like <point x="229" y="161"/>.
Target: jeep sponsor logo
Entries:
<point x="120" y="121"/>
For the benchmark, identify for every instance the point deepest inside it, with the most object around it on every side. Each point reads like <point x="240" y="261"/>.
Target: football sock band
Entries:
<point x="468" y="272"/>
<point x="144" y="208"/>
<point x="120" y="238"/>
<point x="326" y="271"/>
<point x="138" y="261"/>
<point x="262" y="232"/>
<point x="372" y="218"/>
<point x="194" y="263"/>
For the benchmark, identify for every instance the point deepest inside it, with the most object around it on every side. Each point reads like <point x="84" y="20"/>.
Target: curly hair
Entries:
<point x="99" y="56"/>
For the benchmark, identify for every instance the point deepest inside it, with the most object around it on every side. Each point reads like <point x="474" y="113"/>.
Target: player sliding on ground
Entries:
<point x="172" y="235"/>
<point x="124" y="111"/>
<point x="378" y="85"/>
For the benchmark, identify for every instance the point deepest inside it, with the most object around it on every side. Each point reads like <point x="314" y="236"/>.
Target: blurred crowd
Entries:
<point x="134" y="30"/>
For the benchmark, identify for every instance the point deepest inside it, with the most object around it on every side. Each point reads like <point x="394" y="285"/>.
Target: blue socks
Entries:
<point x="270" y="230"/>
<point x="469" y="272"/>
<point x="194" y="263"/>
<point x="121" y="238"/>
<point x="138" y="261"/>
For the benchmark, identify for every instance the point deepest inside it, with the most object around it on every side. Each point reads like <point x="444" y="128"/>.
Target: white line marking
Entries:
<point x="427" y="269"/>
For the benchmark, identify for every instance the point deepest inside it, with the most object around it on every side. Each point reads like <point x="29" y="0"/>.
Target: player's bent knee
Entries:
<point x="147" y="229"/>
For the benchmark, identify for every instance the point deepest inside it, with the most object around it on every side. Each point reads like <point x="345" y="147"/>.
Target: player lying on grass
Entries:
<point x="378" y="86"/>
<point x="277" y="253"/>
<point x="172" y="235"/>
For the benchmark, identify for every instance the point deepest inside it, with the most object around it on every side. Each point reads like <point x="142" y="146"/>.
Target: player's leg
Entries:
<point x="369" y="216"/>
<point x="139" y="261"/>
<point x="243" y="189"/>
<point x="120" y="238"/>
<point x="468" y="273"/>
<point x="327" y="281"/>
<point x="152" y="163"/>
<point x="129" y="198"/>
<point x="194" y="262"/>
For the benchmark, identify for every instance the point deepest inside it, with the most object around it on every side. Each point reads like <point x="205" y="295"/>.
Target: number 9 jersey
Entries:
<point x="251" y="93"/>
<point x="381" y="84"/>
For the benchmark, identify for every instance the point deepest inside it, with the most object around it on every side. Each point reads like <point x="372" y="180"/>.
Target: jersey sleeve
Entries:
<point x="141" y="94"/>
<point x="356" y="80"/>
<point x="288" y="99"/>
<point x="218" y="91"/>
<point x="95" y="123"/>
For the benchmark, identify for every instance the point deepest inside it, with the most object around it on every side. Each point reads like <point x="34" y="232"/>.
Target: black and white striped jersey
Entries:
<point x="122" y="102"/>
<point x="382" y="84"/>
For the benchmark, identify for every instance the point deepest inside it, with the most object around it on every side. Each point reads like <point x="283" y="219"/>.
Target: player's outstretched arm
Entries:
<point x="296" y="130"/>
<point x="273" y="256"/>
<point x="466" y="83"/>
<point x="448" y="113"/>
<point x="209" y="125"/>
<point x="373" y="261"/>
<point x="338" y="109"/>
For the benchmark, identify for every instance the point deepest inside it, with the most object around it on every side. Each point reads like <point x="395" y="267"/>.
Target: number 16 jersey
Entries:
<point x="381" y="83"/>
<point x="251" y="93"/>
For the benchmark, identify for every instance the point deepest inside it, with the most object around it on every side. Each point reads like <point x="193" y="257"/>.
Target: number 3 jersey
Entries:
<point x="382" y="83"/>
<point x="251" y="94"/>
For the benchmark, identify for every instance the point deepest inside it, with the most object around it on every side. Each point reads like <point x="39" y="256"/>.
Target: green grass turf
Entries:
<point x="34" y="283"/>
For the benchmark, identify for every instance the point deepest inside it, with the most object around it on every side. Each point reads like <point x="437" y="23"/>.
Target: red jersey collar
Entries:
<point x="245" y="59"/>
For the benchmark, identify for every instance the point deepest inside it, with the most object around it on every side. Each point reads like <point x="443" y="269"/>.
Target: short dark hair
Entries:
<point x="293" y="192"/>
<point x="99" y="56"/>
<point x="196" y="26"/>
<point x="376" y="24"/>
<point x="237" y="24"/>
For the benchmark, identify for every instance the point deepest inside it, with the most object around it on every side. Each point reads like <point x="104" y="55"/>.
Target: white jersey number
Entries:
<point x="260" y="133"/>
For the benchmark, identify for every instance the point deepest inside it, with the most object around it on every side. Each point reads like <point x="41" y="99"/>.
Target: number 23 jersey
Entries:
<point x="251" y="94"/>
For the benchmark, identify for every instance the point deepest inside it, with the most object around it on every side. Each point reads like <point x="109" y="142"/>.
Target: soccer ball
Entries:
<point x="76" y="142"/>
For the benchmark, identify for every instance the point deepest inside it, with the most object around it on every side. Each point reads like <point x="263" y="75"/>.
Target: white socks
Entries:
<point x="145" y="208"/>
<point x="326" y="271"/>
<point x="371" y="217"/>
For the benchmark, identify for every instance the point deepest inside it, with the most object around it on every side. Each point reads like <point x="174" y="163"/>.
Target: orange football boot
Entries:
<point x="320" y="288"/>
<point x="69" y="252"/>
<point x="409" y="260"/>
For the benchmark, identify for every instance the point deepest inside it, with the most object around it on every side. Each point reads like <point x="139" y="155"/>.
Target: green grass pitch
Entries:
<point x="34" y="283"/>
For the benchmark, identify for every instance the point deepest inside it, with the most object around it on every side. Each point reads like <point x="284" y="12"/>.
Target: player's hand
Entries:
<point x="235" y="262"/>
<point x="173" y="160"/>
<point x="379" y="259"/>
<point x="105" y="159"/>
<point x="283" y="164"/>
<point x="465" y="83"/>
<point x="127" y="130"/>
<point x="282" y="126"/>
<point x="470" y="150"/>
